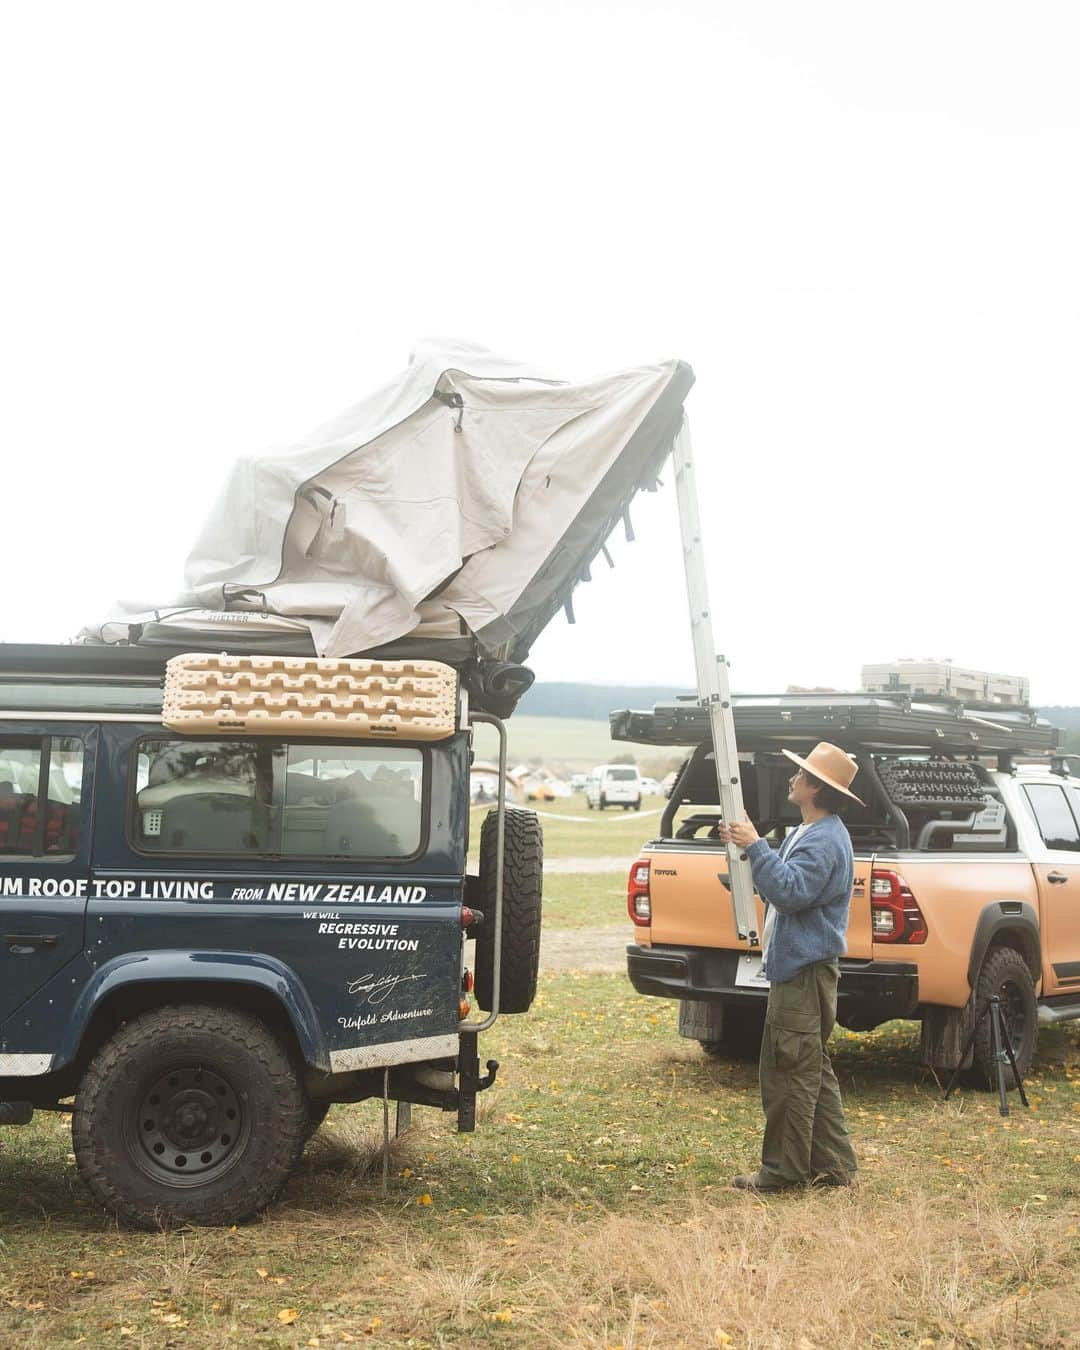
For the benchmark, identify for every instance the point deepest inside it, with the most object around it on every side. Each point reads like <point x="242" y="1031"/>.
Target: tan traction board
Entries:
<point x="310" y="696"/>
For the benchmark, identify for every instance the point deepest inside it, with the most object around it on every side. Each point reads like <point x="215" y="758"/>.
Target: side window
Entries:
<point x="1074" y="801"/>
<point x="352" y="801"/>
<point x="204" y="797"/>
<point x="1052" y="814"/>
<point x="300" y="801"/>
<point x="40" y="796"/>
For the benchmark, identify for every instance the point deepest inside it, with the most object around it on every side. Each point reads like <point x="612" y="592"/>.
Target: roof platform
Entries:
<point x="130" y="678"/>
<point x="885" y="721"/>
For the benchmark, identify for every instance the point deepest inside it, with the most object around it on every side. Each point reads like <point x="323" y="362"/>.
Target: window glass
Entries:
<point x="356" y="801"/>
<point x="28" y="827"/>
<point x="205" y="797"/>
<point x="621" y="775"/>
<point x="1074" y="799"/>
<point x="237" y="798"/>
<point x="1055" y="820"/>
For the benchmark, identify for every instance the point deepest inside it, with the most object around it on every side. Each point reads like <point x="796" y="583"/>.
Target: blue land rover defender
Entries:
<point x="208" y="938"/>
<point x="220" y="914"/>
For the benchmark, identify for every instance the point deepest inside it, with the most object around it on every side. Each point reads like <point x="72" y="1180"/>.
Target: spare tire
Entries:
<point x="523" y="884"/>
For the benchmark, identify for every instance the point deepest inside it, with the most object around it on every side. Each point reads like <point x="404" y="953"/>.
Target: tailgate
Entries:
<point x="691" y="905"/>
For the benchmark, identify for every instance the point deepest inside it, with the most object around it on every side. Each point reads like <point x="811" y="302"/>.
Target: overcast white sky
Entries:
<point x="223" y="222"/>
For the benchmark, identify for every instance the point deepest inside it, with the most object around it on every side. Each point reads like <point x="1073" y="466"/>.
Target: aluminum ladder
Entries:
<point x="712" y="681"/>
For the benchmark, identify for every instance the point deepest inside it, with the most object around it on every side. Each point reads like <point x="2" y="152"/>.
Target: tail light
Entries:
<point x="895" y="915"/>
<point x="463" y="1009"/>
<point x="467" y="981"/>
<point x="638" y="903"/>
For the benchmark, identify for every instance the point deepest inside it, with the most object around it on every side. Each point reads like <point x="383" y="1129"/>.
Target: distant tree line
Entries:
<point x="1068" y="718"/>
<point x="593" y="701"/>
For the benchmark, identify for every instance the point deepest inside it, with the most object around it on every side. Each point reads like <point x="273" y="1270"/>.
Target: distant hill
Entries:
<point x="1069" y="718"/>
<point x="593" y="701"/>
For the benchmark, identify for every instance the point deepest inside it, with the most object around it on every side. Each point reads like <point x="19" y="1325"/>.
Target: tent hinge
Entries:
<point x="452" y="399"/>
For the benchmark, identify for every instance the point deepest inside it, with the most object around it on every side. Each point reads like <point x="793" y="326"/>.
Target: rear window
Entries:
<point x="1056" y="823"/>
<point x="621" y="775"/>
<point x="244" y="798"/>
<point x="40" y="796"/>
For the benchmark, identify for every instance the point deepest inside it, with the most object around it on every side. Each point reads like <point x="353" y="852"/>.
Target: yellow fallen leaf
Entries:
<point x="373" y="1325"/>
<point x="503" y="1315"/>
<point x="262" y="1274"/>
<point x="425" y="1199"/>
<point x="721" y="1337"/>
<point x="288" y="1315"/>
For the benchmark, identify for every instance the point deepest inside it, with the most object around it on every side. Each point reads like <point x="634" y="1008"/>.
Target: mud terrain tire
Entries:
<point x="189" y="1114"/>
<point x="1005" y="973"/>
<point x="523" y="885"/>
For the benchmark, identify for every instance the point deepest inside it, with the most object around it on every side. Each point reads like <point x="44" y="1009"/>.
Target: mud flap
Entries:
<point x="945" y="1032"/>
<point x="701" y="1019"/>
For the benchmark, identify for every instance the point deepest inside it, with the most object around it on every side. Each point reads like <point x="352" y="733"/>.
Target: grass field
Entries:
<point x="592" y="1206"/>
<point x="576" y="741"/>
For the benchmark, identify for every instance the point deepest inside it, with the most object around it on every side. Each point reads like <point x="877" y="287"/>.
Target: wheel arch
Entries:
<point x="138" y="982"/>
<point x="1007" y="923"/>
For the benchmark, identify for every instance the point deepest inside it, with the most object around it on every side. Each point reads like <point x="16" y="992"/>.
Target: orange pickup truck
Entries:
<point x="967" y="869"/>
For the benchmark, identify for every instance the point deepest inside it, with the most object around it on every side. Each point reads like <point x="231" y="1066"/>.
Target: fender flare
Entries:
<point x="1007" y="915"/>
<point x="235" y="969"/>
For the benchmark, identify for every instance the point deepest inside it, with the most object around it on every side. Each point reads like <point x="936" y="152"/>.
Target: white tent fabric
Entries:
<point x="431" y="504"/>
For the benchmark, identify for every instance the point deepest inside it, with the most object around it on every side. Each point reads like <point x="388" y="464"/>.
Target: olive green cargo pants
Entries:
<point x="805" y="1134"/>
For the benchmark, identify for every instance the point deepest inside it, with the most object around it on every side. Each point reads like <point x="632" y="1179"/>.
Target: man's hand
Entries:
<point x="739" y="832"/>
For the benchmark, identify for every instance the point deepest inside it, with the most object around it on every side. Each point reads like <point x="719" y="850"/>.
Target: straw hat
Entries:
<point x="831" y="764"/>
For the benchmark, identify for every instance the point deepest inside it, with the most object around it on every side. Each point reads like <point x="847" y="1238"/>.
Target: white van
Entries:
<point x="614" y="785"/>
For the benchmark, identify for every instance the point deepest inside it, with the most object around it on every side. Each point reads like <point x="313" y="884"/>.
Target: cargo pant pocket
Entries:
<point x="793" y="1004"/>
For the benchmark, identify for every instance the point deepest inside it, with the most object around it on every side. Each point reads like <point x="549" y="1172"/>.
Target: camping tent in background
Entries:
<point x="450" y="514"/>
<point x="484" y="783"/>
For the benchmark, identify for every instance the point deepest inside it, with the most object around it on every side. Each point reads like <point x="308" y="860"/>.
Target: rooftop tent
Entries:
<point x="449" y="514"/>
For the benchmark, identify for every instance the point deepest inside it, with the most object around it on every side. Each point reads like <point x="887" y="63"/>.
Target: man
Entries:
<point x="807" y="889"/>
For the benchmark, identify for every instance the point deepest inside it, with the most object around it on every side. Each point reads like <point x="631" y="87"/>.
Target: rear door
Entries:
<point x="340" y="864"/>
<point x="692" y="905"/>
<point x="46" y="782"/>
<point x="1056" y="809"/>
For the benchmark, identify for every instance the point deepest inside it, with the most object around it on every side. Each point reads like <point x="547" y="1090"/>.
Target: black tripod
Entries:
<point x="1001" y="1049"/>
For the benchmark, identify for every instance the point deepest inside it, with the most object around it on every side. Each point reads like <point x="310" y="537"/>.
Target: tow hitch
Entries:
<point x="470" y="1081"/>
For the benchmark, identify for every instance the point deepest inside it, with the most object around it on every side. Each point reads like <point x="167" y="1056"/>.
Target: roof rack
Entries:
<point x="890" y="720"/>
<point x="1008" y="761"/>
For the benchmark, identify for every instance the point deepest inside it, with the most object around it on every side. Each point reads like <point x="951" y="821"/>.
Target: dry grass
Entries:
<point x="592" y="1208"/>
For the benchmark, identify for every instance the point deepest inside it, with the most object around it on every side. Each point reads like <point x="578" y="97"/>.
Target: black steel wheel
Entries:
<point x="189" y="1127"/>
<point x="189" y="1114"/>
<point x="1005" y="973"/>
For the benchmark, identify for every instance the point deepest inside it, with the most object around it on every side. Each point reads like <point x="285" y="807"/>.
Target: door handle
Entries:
<point x="26" y="942"/>
<point x="1056" y="878"/>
